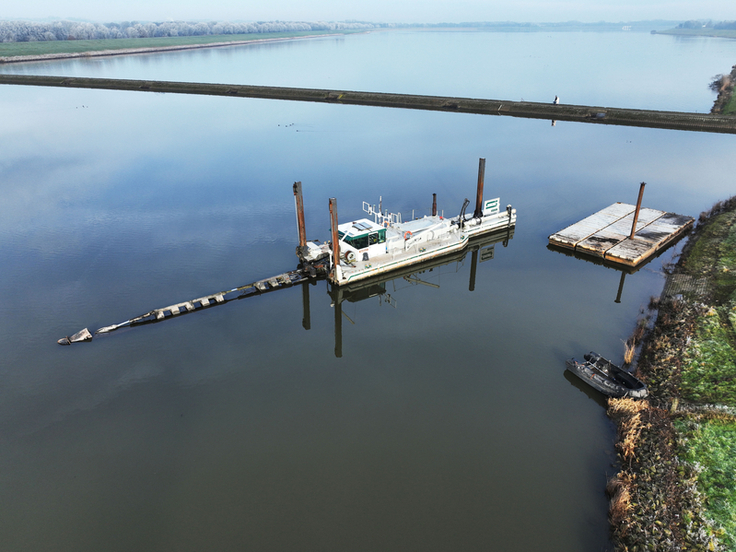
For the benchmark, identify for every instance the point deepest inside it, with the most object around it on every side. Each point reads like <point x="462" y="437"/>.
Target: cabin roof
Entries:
<point x="358" y="227"/>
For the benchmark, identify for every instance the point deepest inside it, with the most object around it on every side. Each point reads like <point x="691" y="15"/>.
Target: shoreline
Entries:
<point x="663" y="496"/>
<point x="724" y="85"/>
<point x="152" y="49"/>
<point x="709" y="33"/>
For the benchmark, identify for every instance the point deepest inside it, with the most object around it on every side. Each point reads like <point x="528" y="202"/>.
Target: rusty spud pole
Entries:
<point x="335" y="237"/>
<point x="479" y="192"/>
<point x="300" y="214"/>
<point x="636" y="213"/>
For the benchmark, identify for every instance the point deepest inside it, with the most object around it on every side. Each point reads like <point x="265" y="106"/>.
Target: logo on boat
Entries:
<point x="490" y="206"/>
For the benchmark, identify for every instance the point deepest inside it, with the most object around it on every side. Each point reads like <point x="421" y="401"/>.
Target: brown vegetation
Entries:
<point x="628" y="414"/>
<point x="618" y="489"/>
<point x="646" y="496"/>
<point x="723" y="85"/>
<point x="629" y="350"/>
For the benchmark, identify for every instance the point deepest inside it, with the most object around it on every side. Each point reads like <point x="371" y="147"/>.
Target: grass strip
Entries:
<point x="709" y="373"/>
<point x="710" y="450"/>
<point x="715" y="33"/>
<point x="13" y="49"/>
<point x="730" y="108"/>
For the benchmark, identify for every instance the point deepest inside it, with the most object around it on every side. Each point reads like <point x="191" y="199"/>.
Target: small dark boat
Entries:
<point x="606" y="377"/>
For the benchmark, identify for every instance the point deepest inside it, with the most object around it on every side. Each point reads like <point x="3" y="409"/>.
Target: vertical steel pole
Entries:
<point x="335" y="238"/>
<point x="300" y="214"/>
<point x="636" y="213"/>
<point x="479" y="193"/>
<point x="434" y="205"/>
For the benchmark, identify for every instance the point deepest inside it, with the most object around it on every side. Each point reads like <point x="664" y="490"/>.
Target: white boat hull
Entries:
<point x="437" y="237"/>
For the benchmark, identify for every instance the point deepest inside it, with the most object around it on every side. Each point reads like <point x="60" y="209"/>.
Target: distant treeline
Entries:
<point x="30" y="31"/>
<point x="34" y="31"/>
<point x="694" y="24"/>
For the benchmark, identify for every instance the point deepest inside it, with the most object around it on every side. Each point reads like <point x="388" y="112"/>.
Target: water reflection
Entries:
<point x="154" y="198"/>
<point x="482" y="249"/>
<point x="594" y="395"/>
<point x="623" y="269"/>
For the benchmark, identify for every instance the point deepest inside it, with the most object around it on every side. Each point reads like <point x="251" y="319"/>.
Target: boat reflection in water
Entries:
<point x="481" y="249"/>
<point x="593" y="394"/>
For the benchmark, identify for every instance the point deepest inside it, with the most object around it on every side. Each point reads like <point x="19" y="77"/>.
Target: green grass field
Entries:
<point x="12" y="49"/>
<point x="708" y="442"/>
<point x="709" y="373"/>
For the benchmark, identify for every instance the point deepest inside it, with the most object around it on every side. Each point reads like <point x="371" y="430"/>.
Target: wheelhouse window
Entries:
<point x="364" y="240"/>
<point x="358" y="242"/>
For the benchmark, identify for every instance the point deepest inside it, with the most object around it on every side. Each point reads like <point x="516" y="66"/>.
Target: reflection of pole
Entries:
<point x="335" y="240"/>
<point x="508" y="227"/>
<point x="338" y="328"/>
<point x="479" y="192"/>
<point x="307" y="318"/>
<point x="300" y="214"/>
<point x="636" y="213"/>
<point x="473" y="266"/>
<point x="620" y="287"/>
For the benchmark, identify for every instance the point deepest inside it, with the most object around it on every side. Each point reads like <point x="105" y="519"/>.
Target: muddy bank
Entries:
<point x="658" y="500"/>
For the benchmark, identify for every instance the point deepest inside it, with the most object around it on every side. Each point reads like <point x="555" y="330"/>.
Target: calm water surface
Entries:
<point x="448" y="422"/>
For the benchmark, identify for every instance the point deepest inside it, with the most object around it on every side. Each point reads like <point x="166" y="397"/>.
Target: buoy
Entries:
<point x="407" y="235"/>
<point x="350" y="256"/>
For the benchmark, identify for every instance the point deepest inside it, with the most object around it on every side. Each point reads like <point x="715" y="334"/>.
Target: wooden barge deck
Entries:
<point x="607" y="234"/>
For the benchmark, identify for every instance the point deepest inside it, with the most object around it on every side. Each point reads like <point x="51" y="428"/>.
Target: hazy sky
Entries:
<point x="391" y="11"/>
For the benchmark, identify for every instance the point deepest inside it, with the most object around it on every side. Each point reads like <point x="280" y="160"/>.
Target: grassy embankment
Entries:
<point x="725" y="103"/>
<point x="730" y="108"/>
<point x="717" y="33"/>
<point x="13" y="49"/>
<point x="676" y="489"/>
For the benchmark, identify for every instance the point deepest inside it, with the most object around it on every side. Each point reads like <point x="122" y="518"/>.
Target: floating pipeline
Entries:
<point x="305" y="273"/>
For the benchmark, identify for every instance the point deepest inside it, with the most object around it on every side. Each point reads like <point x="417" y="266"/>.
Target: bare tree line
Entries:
<point x="30" y="31"/>
<point x="33" y="31"/>
<point x="696" y="24"/>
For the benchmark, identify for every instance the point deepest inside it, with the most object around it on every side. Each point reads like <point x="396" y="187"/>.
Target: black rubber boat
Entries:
<point x="606" y="377"/>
